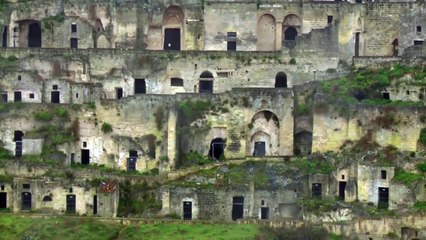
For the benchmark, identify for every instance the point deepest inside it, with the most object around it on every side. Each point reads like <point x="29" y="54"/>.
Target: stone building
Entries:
<point x="47" y="196"/>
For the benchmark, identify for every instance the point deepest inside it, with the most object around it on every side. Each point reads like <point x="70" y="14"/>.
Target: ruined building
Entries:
<point x="160" y="86"/>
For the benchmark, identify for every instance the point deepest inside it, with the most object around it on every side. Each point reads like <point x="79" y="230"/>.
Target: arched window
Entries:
<point x="206" y="82"/>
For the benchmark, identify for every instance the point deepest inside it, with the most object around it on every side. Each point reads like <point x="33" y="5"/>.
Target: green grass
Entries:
<point x="16" y="227"/>
<point x="193" y="231"/>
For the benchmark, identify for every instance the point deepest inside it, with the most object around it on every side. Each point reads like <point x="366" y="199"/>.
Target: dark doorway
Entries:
<point x="74" y="43"/>
<point x="34" y="35"/>
<point x="4" y="96"/>
<point x="386" y="95"/>
<point x="5" y="30"/>
<point x="259" y="149"/>
<point x="383" y="198"/>
<point x="71" y="203"/>
<point x="140" y="86"/>
<point x="95" y="204"/>
<point x="281" y="80"/>
<point x="55" y="96"/>
<point x="17" y="136"/>
<point x="18" y="149"/>
<point x="264" y="213"/>
<point x="206" y="86"/>
<point x="217" y="147"/>
<point x="119" y="93"/>
<point x="131" y="161"/>
<point x="232" y="46"/>
<point x="290" y="34"/>
<point x="131" y="164"/>
<point x="342" y="187"/>
<point x="316" y="190"/>
<point x="237" y="208"/>
<point x="85" y="156"/>
<point x="17" y="96"/>
<point x="395" y="47"/>
<point x="3" y="200"/>
<point x="357" y="44"/>
<point x="232" y="41"/>
<point x="187" y="210"/>
<point x="172" y="39"/>
<point x="26" y="201"/>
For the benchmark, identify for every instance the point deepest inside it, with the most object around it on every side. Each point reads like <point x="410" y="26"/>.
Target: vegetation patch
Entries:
<point x="366" y="86"/>
<point x="43" y="116"/>
<point x="192" y="110"/>
<point x="407" y="178"/>
<point x="106" y="127"/>
<point x="420" y="206"/>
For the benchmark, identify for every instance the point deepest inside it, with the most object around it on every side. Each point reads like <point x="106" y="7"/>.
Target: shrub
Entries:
<point x="420" y="205"/>
<point x="421" y="167"/>
<point x="12" y="58"/>
<point x="164" y="158"/>
<point x="106" y="127"/>
<point x="91" y="105"/>
<point x="44" y="116"/>
<point x="292" y="61"/>
<point x="4" y="154"/>
<point x="62" y="112"/>
<point x="407" y="178"/>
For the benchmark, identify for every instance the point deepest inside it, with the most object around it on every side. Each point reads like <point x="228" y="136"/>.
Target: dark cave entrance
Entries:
<point x="217" y="147"/>
<point x="259" y="149"/>
<point x="34" y="35"/>
<point x="3" y="200"/>
<point x="140" y="86"/>
<point x="85" y="156"/>
<point x="26" y="201"/>
<point x="187" y="210"/>
<point x="342" y="187"/>
<point x="172" y="39"/>
<point x="316" y="190"/>
<point x="71" y="203"/>
<point x="237" y="208"/>
<point x="383" y="198"/>
<point x="281" y="80"/>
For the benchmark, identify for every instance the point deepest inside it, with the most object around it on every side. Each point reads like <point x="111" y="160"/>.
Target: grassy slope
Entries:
<point x="17" y="227"/>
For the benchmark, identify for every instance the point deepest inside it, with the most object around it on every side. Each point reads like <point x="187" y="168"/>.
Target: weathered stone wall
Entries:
<point x="217" y="204"/>
<point x="402" y="131"/>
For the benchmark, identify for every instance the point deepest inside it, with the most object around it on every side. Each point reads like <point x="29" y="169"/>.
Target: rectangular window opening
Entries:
<point x="232" y="41"/>
<point x="383" y="174"/>
<point x="73" y="27"/>
<point x="26" y="186"/>
<point x="329" y="19"/>
<point x="419" y="29"/>
<point x="32" y="95"/>
<point x="176" y="82"/>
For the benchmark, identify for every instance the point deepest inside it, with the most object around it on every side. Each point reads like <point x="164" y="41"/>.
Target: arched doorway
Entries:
<point x="264" y="135"/>
<point x="173" y="20"/>
<point x="281" y="80"/>
<point x="34" y="35"/>
<point x="206" y="82"/>
<point x="290" y="34"/>
<point x="217" y="148"/>
<point x="291" y="28"/>
<point x="266" y="27"/>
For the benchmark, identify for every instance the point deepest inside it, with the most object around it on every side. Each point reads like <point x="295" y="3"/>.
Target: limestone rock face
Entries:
<point x="340" y="214"/>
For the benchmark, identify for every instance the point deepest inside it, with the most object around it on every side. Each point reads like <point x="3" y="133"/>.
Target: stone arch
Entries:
<point x="281" y="80"/>
<point x="206" y="82"/>
<point x="266" y="30"/>
<point x="34" y="35"/>
<point x="264" y="134"/>
<point x="217" y="148"/>
<point x="173" y="28"/>
<point x="30" y="33"/>
<point x="292" y="26"/>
